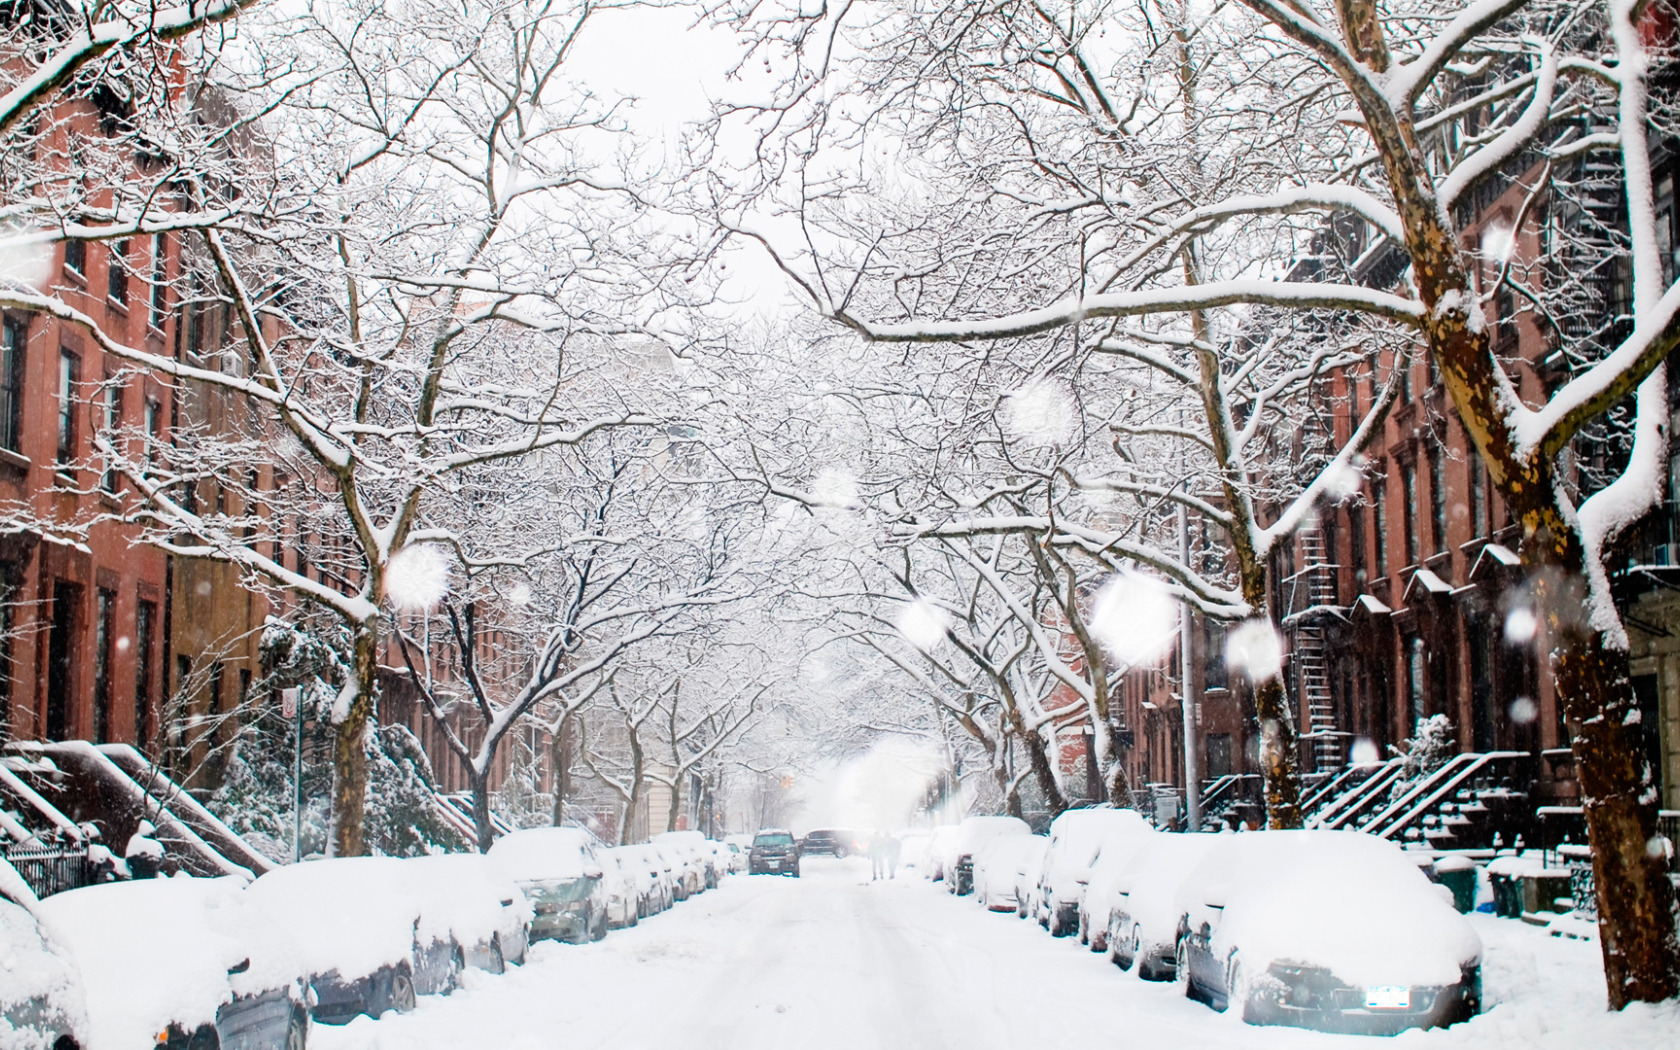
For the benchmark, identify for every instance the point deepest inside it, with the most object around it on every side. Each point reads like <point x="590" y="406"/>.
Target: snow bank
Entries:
<point x="151" y="953"/>
<point x="1347" y="901"/>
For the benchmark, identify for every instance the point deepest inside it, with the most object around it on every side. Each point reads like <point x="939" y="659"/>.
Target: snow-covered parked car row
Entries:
<point x="229" y="964"/>
<point x="1332" y="930"/>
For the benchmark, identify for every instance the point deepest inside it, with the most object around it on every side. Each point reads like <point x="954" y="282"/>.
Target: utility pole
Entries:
<point x="1187" y="692"/>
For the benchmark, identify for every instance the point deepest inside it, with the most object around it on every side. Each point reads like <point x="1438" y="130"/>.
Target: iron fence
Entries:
<point x="51" y="869"/>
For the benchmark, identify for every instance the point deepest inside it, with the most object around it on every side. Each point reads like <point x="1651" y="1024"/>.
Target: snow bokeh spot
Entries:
<point x="1520" y="625"/>
<point x="1255" y="649"/>
<point x="520" y="593"/>
<point x="417" y="577"/>
<point x="1133" y="618"/>
<point x="1364" y="752"/>
<point x="28" y="265"/>
<point x="835" y="488"/>
<point x="1040" y="413"/>
<point x="123" y="643"/>
<point x="1344" y="480"/>
<point x="922" y="624"/>
<point x="1524" y="711"/>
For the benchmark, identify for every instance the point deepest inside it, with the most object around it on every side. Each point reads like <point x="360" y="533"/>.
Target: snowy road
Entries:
<point x="833" y="961"/>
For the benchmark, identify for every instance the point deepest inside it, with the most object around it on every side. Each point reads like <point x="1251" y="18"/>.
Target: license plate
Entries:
<point x="1388" y="997"/>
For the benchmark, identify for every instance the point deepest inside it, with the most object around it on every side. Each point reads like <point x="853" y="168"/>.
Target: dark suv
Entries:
<point x="774" y="851"/>
<point x="836" y="842"/>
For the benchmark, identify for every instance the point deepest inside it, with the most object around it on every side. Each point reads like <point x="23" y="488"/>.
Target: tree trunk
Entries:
<point x="632" y="804"/>
<point x="350" y="748"/>
<point x="676" y="802"/>
<point x="562" y="771"/>
<point x="1280" y="754"/>
<point x="481" y="809"/>
<point x="1636" y="900"/>
<point x="1054" y="800"/>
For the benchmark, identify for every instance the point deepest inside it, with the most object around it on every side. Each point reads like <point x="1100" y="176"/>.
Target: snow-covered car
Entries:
<point x="643" y="877"/>
<point x="939" y="848"/>
<point x="686" y="847"/>
<point x="42" y="1006"/>
<point x="1142" y="918"/>
<point x="913" y="850"/>
<point x="561" y="876"/>
<point x="170" y="962"/>
<point x="623" y="882"/>
<point x="972" y="834"/>
<point x="684" y="868"/>
<point x="725" y="857"/>
<point x="1332" y="930"/>
<point x="1115" y="854"/>
<point x="738" y="845"/>
<point x="369" y="933"/>
<point x="1075" y="838"/>
<point x="998" y="867"/>
<point x="665" y="880"/>
<point x="774" y="850"/>
<point x="489" y="918"/>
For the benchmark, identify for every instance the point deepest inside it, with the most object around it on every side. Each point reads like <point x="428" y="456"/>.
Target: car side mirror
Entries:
<point x="239" y="967"/>
<point x="1214" y="896"/>
<point x="593" y="872"/>
<point x="1082" y="876"/>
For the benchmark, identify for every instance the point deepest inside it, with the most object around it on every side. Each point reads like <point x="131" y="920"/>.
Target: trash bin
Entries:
<point x="1507" y="895"/>
<point x="1458" y="874"/>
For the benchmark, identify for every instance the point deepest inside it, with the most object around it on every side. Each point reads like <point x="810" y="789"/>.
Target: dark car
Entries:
<point x="774" y="851"/>
<point x="834" y="842"/>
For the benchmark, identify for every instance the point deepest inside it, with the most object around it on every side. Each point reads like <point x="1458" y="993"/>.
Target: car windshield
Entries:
<point x="782" y="839"/>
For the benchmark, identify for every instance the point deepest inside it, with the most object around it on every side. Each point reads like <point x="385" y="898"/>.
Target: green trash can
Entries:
<point x="1459" y="875"/>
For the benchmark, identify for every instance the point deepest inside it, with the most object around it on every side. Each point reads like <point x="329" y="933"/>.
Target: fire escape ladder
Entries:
<point x="1315" y="585"/>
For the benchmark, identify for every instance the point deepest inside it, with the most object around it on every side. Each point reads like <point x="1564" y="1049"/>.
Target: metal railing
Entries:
<point x="51" y="869"/>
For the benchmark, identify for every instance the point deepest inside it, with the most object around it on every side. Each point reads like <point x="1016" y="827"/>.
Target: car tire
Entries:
<point x="598" y="932"/>
<point x="401" y="996"/>
<point x="498" y="961"/>
<point x="297" y="1031"/>
<point x="205" y="1038"/>
<point x="1181" y="970"/>
<point x="457" y="968"/>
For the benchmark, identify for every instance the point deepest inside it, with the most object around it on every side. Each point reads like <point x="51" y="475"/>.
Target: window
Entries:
<point x="75" y="257"/>
<point x="11" y="384"/>
<point x="153" y="424"/>
<point x="116" y="272"/>
<point x="1219" y="755"/>
<point x="1415" y="664"/>
<point x="145" y="629"/>
<point x="113" y="424"/>
<point x="1356" y="544"/>
<point x="1404" y="363"/>
<point x="1408" y="494"/>
<point x="160" y="278"/>
<point x="69" y="373"/>
<point x="1478" y="496"/>
<point x="1438" y="500"/>
<point x="104" y="612"/>
<point x="1379" y="521"/>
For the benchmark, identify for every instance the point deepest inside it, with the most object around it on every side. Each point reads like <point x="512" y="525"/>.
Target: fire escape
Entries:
<point x="1312" y="597"/>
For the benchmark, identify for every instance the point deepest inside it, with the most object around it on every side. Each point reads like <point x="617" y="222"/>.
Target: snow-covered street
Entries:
<point x="832" y="960"/>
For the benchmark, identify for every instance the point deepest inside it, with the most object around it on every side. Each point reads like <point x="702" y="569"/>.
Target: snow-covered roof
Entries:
<point x="1494" y="556"/>
<point x="1370" y="605"/>
<point x="1430" y="582"/>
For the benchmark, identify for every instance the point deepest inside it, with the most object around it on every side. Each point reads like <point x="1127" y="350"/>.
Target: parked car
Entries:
<point x="774" y="851"/>
<point x="170" y="962"/>
<point x="939" y="847"/>
<point x="489" y="918"/>
<point x="664" y="877"/>
<point x="972" y="834"/>
<point x="1332" y="930"/>
<point x="562" y="878"/>
<point x="370" y="933"/>
<point x="696" y="848"/>
<point x="1113" y="857"/>
<point x="1142" y="920"/>
<point x="913" y="850"/>
<point x="739" y="846"/>
<point x="998" y="867"/>
<point x="832" y="842"/>
<point x="622" y="884"/>
<point x="1075" y="838"/>
<point x="42" y="1004"/>
<point x="688" y="848"/>
<point x="642" y="878"/>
